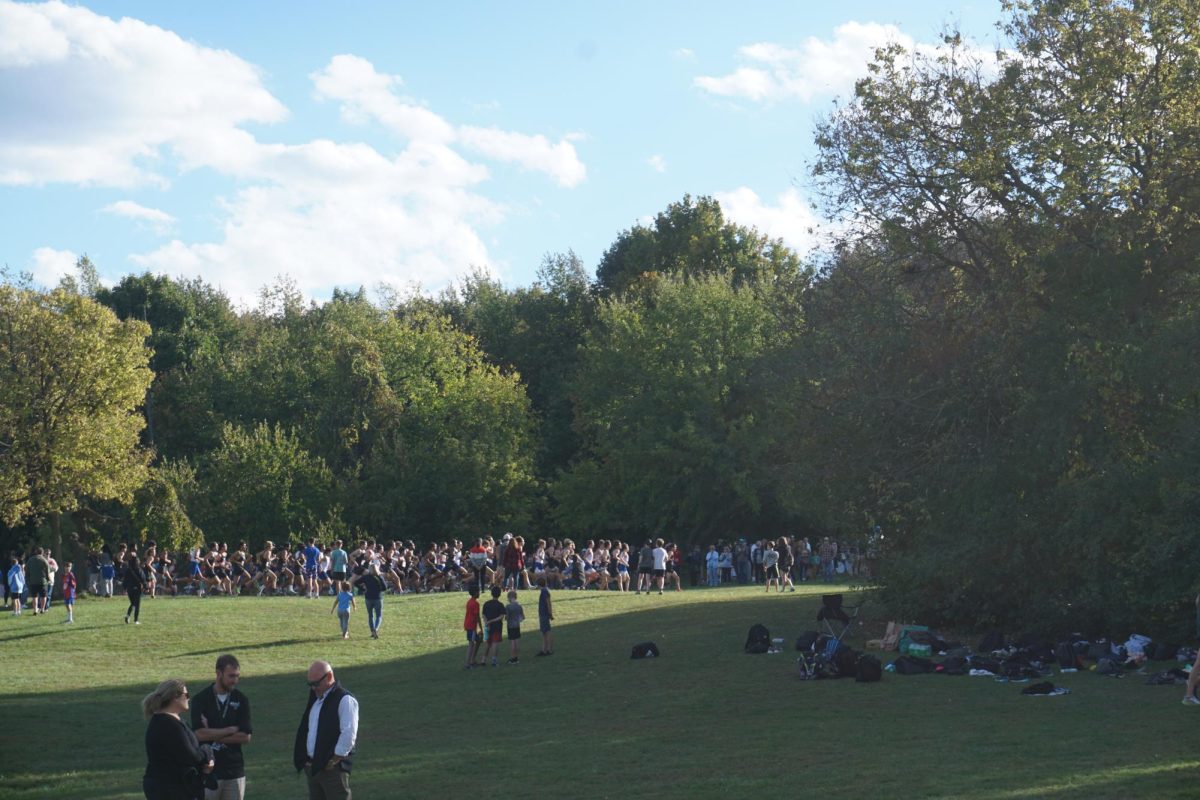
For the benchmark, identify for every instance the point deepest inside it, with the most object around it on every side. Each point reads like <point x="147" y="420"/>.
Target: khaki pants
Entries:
<point x="227" y="789"/>
<point x="329" y="784"/>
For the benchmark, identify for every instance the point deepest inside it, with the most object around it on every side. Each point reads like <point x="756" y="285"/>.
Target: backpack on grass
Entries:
<point x="758" y="640"/>
<point x="868" y="669"/>
<point x="645" y="650"/>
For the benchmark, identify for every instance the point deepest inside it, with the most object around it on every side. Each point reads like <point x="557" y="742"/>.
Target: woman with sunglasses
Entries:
<point x="176" y="762"/>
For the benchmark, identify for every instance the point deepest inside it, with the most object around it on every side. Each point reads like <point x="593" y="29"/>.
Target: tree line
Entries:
<point x="993" y="363"/>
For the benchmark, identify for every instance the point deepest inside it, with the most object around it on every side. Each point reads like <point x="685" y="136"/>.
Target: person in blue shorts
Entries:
<point x="312" y="554"/>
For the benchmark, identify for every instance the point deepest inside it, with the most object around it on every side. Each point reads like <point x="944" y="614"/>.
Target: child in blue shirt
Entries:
<point x="342" y="605"/>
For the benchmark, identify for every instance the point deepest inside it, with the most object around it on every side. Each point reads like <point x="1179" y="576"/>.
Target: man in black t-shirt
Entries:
<point x="221" y="715"/>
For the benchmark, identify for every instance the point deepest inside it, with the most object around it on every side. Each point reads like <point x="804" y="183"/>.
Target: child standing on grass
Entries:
<point x="15" y="581"/>
<point x="342" y="605"/>
<point x="516" y="615"/>
<point x="493" y="617"/>
<point x="471" y="625"/>
<point x="68" y="592"/>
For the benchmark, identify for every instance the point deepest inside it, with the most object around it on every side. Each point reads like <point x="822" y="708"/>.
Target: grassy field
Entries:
<point x="704" y="720"/>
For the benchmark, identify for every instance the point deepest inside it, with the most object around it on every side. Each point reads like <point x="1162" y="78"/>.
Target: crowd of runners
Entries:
<point x="312" y="569"/>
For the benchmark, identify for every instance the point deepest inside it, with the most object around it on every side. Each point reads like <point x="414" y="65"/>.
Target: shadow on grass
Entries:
<point x="704" y="720"/>
<point x="243" y="648"/>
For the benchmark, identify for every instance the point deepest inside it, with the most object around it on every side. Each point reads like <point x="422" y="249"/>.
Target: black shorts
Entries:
<point x="37" y="590"/>
<point x="338" y="576"/>
<point x="644" y="570"/>
<point x="513" y="633"/>
<point x="658" y="573"/>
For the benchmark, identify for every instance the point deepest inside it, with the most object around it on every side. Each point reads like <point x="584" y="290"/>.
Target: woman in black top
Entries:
<point x="175" y="761"/>
<point x="135" y="579"/>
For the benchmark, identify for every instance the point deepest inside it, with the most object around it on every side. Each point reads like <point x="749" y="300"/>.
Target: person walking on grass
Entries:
<point x="545" y="615"/>
<point x="324" y="747"/>
<point x="515" y="615"/>
<point x="471" y="624"/>
<point x="343" y="604"/>
<point x="134" y="580"/>
<point x="68" y="592"/>
<point x="221" y="716"/>
<point x="493" y="618"/>
<point x="373" y="588"/>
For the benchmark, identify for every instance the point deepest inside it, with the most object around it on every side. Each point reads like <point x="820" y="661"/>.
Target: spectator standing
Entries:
<point x="545" y="615"/>
<point x="515" y="615"/>
<point x="324" y="748"/>
<point x="51" y="575"/>
<point x="93" y="572"/>
<point x="741" y="557"/>
<point x="176" y="762"/>
<point x="14" y="584"/>
<point x="725" y="564"/>
<point x="695" y="565"/>
<point x="338" y="561"/>
<point x="770" y="563"/>
<point x="221" y="715"/>
<point x="712" y="561"/>
<point x="827" y="553"/>
<point x="108" y="570"/>
<point x="659" y="556"/>
<point x="471" y="624"/>
<point x="37" y="572"/>
<point x="493" y="620"/>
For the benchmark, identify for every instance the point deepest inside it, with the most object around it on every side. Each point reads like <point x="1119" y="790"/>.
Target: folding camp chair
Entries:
<point x="833" y="610"/>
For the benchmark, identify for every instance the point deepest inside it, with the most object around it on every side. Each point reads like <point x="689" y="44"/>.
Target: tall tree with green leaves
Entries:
<point x="692" y="237"/>
<point x="1024" y="226"/>
<point x="74" y="377"/>
<point x="669" y="403"/>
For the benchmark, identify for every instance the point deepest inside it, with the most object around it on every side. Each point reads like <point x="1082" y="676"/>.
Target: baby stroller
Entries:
<point x="829" y="657"/>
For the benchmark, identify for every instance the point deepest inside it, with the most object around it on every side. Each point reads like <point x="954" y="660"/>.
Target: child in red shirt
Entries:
<point x="471" y="624"/>
<point x="68" y="591"/>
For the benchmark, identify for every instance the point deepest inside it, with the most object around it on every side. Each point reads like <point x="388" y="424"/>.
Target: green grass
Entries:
<point x="705" y="720"/>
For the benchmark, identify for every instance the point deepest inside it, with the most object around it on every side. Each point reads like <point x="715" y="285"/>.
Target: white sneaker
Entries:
<point x="1191" y="700"/>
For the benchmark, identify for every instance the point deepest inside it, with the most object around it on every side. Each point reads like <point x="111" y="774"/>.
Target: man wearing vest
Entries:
<point x="221" y="716"/>
<point x="325" y="739"/>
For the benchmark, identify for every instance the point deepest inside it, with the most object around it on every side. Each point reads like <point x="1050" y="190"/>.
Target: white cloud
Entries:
<point x="48" y="265"/>
<point x="816" y="68"/>
<point x="366" y="95"/>
<point x="160" y="221"/>
<point x="790" y="218"/>
<point x="93" y="101"/>
<point x="657" y="163"/>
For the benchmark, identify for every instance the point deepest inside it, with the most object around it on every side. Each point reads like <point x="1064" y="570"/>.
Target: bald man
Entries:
<point x="325" y="739"/>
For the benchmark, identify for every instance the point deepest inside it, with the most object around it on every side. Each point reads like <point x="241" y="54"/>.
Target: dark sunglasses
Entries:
<point x="313" y="684"/>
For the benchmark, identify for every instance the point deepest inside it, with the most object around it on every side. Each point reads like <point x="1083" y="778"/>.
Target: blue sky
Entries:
<point x="406" y="143"/>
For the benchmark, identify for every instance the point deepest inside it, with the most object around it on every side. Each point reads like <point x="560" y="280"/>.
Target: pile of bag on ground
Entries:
<point x="1028" y="657"/>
